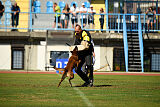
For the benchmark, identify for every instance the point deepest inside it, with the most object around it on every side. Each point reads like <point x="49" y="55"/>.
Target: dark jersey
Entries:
<point x="67" y="14"/>
<point x="15" y="8"/>
<point x="85" y="36"/>
<point x="1" y="8"/>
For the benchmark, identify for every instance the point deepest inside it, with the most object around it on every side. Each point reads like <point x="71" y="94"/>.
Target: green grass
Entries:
<point x="40" y="90"/>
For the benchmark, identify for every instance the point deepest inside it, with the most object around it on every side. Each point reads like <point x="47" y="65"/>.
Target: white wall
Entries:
<point x="30" y="57"/>
<point x="106" y="57"/>
<point x="97" y="57"/>
<point x="40" y="57"/>
<point x="100" y="60"/>
<point x="5" y="57"/>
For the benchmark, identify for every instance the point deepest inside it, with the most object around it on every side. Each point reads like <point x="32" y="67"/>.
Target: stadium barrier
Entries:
<point x="44" y="21"/>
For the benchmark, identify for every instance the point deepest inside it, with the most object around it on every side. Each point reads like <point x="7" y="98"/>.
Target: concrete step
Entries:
<point x="133" y="42"/>
<point x="133" y="39"/>
<point x="134" y="59"/>
<point x="134" y="49"/>
<point x="134" y="62"/>
<point x="135" y="56"/>
<point x="135" y="46"/>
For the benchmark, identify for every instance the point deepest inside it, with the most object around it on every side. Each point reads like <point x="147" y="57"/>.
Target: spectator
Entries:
<point x="101" y="19"/>
<point x="83" y="18"/>
<point x="57" y="10"/>
<point x="62" y="20"/>
<point x="15" y="15"/>
<point x="150" y="17"/>
<point x="66" y="11"/>
<point x="1" y="10"/>
<point x="74" y="11"/>
<point x="91" y="12"/>
<point x="154" y="18"/>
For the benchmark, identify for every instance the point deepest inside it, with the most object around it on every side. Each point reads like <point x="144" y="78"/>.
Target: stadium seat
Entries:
<point x="7" y="16"/>
<point x="74" y="3"/>
<point x="61" y="4"/>
<point x="49" y="10"/>
<point x="87" y="4"/>
<point x="8" y="3"/>
<point x="7" y="9"/>
<point x="37" y="5"/>
<point x="49" y="5"/>
<point x="7" y="22"/>
<point x="37" y="9"/>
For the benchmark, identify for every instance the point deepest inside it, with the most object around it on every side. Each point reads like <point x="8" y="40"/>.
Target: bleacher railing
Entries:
<point x="44" y="21"/>
<point x="141" y="43"/>
<point x="125" y="42"/>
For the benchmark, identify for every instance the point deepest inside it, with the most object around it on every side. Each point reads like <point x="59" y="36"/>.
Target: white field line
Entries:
<point x="82" y="95"/>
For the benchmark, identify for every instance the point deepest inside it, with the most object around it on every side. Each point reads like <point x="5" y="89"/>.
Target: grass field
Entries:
<point x="40" y="90"/>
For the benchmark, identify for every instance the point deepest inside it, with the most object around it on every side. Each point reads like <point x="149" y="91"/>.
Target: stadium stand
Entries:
<point x="23" y="18"/>
<point x="97" y="5"/>
<point x="48" y="19"/>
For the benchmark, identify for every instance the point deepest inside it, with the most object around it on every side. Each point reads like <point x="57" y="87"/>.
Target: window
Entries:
<point x="17" y="58"/>
<point x="155" y="63"/>
<point x="118" y="59"/>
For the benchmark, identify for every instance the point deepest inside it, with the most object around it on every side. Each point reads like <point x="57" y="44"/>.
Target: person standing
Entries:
<point x="1" y="10"/>
<point x="150" y="14"/>
<point x="57" y="11"/>
<point x="101" y="18"/>
<point x="154" y="18"/>
<point x="83" y="41"/>
<point x="83" y="16"/>
<point x="91" y="12"/>
<point x="15" y="15"/>
<point x="66" y="11"/>
<point x="74" y="18"/>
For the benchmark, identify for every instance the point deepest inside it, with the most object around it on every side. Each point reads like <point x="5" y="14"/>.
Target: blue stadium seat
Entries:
<point x="7" y="16"/>
<point x="8" y="3"/>
<point x="49" y="5"/>
<point x="37" y="5"/>
<point x="49" y="10"/>
<point x="61" y="4"/>
<point x="7" y="9"/>
<point x="7" y="22"/>
<point x="74" y="3"/>
<point x="87" y="4"/>
<point x="37" y="9"/>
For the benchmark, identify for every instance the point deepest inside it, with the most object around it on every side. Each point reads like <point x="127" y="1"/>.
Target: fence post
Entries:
<point x="118" y="22"/>
<point x="7" y="13"/>
<point x="106" y="5"/>
<point x="30" y="12"/>
<point x="125" y="41"/>
<point x="140" y="41"/>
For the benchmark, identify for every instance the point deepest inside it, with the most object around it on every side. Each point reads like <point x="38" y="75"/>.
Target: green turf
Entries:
<point x="40" y="90"/>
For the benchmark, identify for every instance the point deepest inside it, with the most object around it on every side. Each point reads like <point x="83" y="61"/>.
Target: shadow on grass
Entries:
<point x="95" y="86"/>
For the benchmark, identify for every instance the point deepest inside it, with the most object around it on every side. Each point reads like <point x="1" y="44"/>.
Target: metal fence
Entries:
<point x="44" y="21"/>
